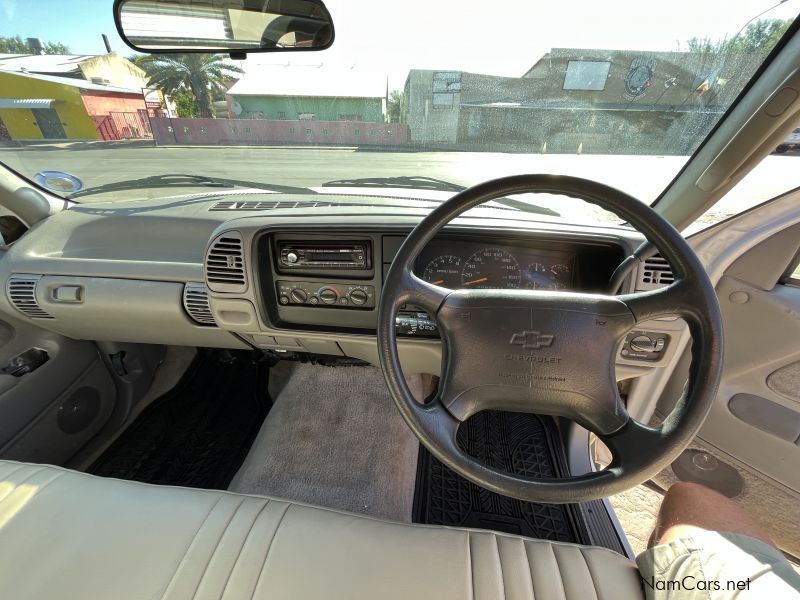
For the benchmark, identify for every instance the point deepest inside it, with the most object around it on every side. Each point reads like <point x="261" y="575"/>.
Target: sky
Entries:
<point x="500" y="37"/>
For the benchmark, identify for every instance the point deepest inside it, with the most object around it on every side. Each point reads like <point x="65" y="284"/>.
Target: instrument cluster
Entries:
<point x="457" y="265"/>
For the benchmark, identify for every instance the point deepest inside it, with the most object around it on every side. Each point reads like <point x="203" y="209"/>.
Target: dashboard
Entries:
<point x="290" y="280"/>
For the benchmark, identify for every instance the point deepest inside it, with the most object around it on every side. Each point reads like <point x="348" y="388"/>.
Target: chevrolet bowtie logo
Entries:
<point x="531" y="340"/>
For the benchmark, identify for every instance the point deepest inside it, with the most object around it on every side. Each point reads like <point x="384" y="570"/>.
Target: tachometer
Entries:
<point x="491" y="268"/>
<point x="444" y="271"/>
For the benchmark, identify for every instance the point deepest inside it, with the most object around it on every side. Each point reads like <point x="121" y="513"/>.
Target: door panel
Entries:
<point x="753" y="419"/>
<point x="749" y="443"/>
<point x="48" y="414"/>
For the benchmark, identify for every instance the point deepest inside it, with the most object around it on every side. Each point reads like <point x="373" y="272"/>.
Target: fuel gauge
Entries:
<point x="539" y="277"/>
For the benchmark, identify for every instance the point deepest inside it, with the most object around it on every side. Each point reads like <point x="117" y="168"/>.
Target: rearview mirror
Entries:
<point x="231" y="26"/>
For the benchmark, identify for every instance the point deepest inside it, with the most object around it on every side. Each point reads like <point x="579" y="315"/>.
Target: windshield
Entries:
<point x="618" y="92"/>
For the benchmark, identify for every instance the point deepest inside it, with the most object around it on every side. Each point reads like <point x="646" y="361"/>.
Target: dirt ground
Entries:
<point x="637" y="510"/>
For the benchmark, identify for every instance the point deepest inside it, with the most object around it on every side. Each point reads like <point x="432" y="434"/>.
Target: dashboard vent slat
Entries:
<point x="224" y="264"/>
<point x="21" y="291"/>
<point x="654" y="273"/>
<point x="195" y="301"/>
<point x="259" y="205"/>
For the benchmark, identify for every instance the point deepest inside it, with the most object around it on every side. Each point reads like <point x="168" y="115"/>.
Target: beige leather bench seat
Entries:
<point x="67" y="535"/>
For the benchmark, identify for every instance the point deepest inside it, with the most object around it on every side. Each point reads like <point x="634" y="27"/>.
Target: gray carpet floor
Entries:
<point x="335" y="439"/>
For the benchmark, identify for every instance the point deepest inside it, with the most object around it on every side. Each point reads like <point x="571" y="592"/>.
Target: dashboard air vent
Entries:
<point x="225" y="264"/>
<point x="268" y="204"/>
<point x="654" y="273"/>
<point x="21" y="290"/>
<point x="195" y="301"/>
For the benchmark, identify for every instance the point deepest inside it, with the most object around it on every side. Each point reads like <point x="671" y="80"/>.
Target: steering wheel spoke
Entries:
<point x="676" y="299"/>
<point x="633" y="445"/>
<point x="421" y="293"/>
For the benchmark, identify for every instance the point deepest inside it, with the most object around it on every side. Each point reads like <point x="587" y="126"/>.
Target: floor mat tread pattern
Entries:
<point x="522" y="444"/>
<point x="197" y="434"/>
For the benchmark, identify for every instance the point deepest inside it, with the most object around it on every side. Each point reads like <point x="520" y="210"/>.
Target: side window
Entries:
<point x="792" y="276"/>
<point x="774" y="176"/>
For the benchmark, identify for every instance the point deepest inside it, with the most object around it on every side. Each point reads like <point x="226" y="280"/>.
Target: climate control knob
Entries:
<point x="358" y="297"/>
<point x="328" y="295"/>
<point x="299" y="295"/>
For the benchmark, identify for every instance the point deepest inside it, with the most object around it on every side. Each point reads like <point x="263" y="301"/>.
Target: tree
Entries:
<point x="757" y="38"/>
<point x="202" y="74"/>
<point x="55" y="48"/>
<point x="185" y="104"/>
<point x="396" y="109"/>
<point x="16" y="45"/>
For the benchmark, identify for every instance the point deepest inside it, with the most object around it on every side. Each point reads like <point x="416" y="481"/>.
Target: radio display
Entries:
<point x="332" y="257"/>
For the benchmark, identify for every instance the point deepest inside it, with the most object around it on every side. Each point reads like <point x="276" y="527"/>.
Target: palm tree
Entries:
<point x="203" y="74"/>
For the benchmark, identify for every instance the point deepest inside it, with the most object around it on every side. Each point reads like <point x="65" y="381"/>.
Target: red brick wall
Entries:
<point x="102" y="103"/>
<point x="261" y="131"/>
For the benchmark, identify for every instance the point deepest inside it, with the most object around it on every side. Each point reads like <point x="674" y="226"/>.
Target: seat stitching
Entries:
<point x="558" y="568"/>
<point x="241" y="549"/>
<point x="471" y="566"/>
<point x="39" y="491"/>
<point x="598" y="549"/>
<point x="591" y="575"/>
<point x="530" y="569"/>
<point x="17" y="468"/>
<point x="27" y="478"/>
<point x="216" y="546"/>
<point x="189" y="547"/>
<point x="500" y="562"/>
<point x="266" y="555"/>
<point x="47" y="483"/>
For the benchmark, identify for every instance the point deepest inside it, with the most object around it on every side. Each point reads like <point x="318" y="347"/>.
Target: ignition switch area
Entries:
<point x="644" y="345"/>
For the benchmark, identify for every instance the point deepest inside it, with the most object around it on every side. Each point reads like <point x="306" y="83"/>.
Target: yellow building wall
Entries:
<point x="21" y="123"/>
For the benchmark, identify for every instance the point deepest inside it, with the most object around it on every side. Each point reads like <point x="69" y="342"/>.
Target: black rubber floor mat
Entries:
<point x="523" y="444"/>
<point x="199" y="433"/>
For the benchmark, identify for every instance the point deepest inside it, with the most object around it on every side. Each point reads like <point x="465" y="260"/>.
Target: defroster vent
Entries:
<point x="21" y="290"/>
<point x="225" y="266"/>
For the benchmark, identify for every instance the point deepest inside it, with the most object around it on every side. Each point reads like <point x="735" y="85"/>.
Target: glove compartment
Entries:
<point x="124" y="310"/>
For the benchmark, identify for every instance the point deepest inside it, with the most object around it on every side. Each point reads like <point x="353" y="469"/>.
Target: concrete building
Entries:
<point x="572" y="99"/>
<point x="104" y="69"/>
<point x="44" y="107"/>
<point x="309" y="93"/>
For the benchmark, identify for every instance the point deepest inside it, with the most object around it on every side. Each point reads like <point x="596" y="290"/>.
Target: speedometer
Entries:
<point x="491" y="268"/>
<point x="444" y="271"/>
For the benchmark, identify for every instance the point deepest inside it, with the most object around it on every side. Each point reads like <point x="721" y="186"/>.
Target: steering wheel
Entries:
<point x="551" y="352"/>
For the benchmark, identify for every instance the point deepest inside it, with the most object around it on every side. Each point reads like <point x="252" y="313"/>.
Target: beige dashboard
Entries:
<point x="136" y="272"/>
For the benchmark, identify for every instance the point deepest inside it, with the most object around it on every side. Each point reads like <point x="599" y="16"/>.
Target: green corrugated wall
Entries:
<point x="324" y="109"/>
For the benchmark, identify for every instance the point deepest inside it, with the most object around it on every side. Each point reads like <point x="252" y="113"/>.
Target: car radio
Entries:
<point x="324" y="255"/>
